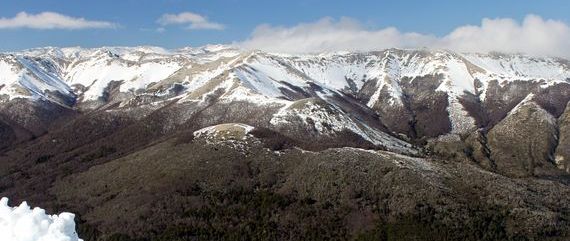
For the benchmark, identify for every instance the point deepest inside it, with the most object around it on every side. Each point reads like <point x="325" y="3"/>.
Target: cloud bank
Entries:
<point x="534" y="35"/>
<point x="193" y="20"/>
<point x="51" y="20"/>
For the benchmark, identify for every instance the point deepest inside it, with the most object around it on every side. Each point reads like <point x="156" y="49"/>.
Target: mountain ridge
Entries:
<point x="440" y="96"/>
<point x="146" y="144"/>
<point x="212" y="53"/>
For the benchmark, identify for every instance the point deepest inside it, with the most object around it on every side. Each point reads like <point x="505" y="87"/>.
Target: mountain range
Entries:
<point x="377" y="143"/>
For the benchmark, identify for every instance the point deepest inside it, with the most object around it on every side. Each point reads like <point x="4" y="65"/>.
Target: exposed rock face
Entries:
<point x="499" y="100"/>
<point x="562" y="155"/>
<point x="397" y="117"/>
<point x="522" y="144"/>
<point x="554" y="99"/>
<point x="427" y="105"/>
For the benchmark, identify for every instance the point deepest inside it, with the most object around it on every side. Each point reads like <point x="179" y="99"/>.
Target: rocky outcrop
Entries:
<point x="522" y="144"/>
<point x="421" y="110"/>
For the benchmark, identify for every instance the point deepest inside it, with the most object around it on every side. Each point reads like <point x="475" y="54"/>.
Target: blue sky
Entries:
<point x="135" y="21"/>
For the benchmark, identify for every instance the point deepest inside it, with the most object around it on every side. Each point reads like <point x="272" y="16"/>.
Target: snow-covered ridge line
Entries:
<point x="22" y="223"/>
<point x="88" y="72"/>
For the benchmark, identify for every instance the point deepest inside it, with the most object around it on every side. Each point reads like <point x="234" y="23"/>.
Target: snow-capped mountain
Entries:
<point x="84" y="74"/>
<point x="145" y="142"/>
<point x="388" y="98"/>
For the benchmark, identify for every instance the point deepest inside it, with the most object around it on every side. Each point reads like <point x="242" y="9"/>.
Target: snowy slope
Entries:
<point x="22" y="77"/>
<point x="60" y="70"/>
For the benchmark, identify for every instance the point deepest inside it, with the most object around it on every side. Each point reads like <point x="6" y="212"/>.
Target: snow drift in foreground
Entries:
<point x="25" y="224"/>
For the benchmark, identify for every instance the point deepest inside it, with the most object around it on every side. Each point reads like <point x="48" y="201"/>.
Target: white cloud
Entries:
<point x="195" y="21"/>
<point x="51" y="20"/>
<point x="533" y="35"/>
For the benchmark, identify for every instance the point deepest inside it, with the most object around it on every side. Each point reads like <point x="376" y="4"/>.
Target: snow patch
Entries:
<point x="225" y="131"/>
